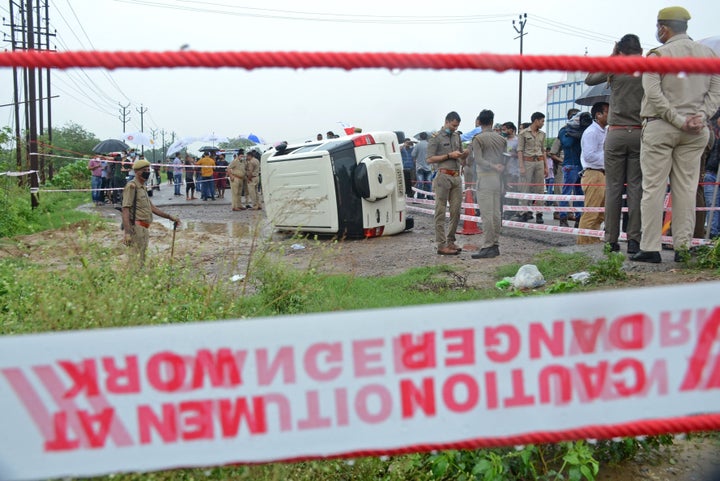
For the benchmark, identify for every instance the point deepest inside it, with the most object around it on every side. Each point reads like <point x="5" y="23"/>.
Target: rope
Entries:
<point x="357" y="60"/>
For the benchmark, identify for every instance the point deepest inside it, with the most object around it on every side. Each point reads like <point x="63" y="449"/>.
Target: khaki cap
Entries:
<point x="674" y="13"/>
<point x="140" y="164"/>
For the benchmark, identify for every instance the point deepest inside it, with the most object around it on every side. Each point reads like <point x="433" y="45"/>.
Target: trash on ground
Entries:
<point x="237" y="277"/>
<point x="297" y="247"/>
<point x="580" y="277"/>
<point x="528" y="277"/>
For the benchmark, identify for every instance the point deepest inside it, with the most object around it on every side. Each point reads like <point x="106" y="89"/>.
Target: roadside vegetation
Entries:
<point x="95" y="290"/>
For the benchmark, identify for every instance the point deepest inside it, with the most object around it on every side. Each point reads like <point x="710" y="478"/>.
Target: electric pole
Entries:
<point x="522" y="20"/>
<point x="142" y="111"/>
<point x="124" y="115"/>
<point x="162" y="136"/>
<point x="153" y="132"/>
<point x="32" y="113"/>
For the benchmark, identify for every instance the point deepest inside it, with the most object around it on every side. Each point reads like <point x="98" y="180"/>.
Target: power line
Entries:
<point x="105" y="72"/>
<point x="254" y="12"/>
<point x="95" y="87"/>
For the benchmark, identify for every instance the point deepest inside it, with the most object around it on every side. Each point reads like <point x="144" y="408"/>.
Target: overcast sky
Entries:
<point x="285" y="104"/>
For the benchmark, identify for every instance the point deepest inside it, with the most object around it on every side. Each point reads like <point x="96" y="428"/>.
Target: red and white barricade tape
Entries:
<point x="346" y="384"/>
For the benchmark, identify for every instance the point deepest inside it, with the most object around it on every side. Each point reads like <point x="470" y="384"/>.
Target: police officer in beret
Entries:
<point x="674" y="109"/>
<point x="137" y="211"/>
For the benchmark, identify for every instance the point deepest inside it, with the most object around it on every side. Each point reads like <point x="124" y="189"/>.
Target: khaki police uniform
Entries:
<point x="488" y="149"/>
<point x="531" y="153"/>
<point x="236" y="171"/>
<point x="135" y="198"/>
<point x="668" y="151"/>
<point x="252" y="177"/>
<point x="447" y="185"/>
<point x="622" y="153"/>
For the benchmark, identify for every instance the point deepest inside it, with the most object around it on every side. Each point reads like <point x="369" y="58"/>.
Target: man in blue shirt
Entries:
<point x="569" y="137"/>
<point x="408" y="166"/>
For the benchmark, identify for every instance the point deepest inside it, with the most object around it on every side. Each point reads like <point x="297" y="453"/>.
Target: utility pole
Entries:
<point x="164" y="150"/>
<point x="124" y="115"/>
<point x="142" y="111"/>
<point x="32" y="137"/>
<point x="27" y="28"/>
<point x="16" y="89"/>
<point x="522" y="20"/>
<point x="153" y="132"/>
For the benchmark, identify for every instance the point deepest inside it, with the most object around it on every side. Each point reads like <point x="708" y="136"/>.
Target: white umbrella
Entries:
<point x="138" y="138"/>
<point x="213" y="138"/>
<point x="180" y="144"/>
<point x="712" y="42"/>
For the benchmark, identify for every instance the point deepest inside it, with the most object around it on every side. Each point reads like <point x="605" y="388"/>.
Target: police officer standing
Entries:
<point x="137" y="211"/>
<point x="236" y="171"/>
<point x="445" y="150"/>
<point x="674" y="109"/>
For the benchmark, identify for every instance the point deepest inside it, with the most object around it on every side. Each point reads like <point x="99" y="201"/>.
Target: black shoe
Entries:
<point x="487" y="253"/>
<point x="647" y="256"/>
<point x="577" y="224"/>
<point x="614" y="246"/>
<point x="539" y="219"/>
<point x="633" y="247"/>
<point x="564" y="223"/>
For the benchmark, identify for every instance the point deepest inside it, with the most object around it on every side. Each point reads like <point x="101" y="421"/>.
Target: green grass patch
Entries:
<point x="56" y="210"/>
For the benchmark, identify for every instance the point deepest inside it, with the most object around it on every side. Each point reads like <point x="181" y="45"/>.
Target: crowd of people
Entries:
<point x="127" y="179"/>
<point x="207" y="176"/>
<point x="655" y="135"/>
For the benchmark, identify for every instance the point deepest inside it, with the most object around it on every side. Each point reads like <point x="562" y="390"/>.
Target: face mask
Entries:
<point x="504" y="134"/>
<point x="448" y="131"/>
<point x="658" y="36"/>
<point x="144" y="175"/>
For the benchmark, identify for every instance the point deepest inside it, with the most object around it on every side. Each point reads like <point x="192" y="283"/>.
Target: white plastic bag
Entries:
<point x="528" y="277"/>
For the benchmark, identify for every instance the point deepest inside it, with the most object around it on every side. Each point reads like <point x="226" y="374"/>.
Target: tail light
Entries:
<point x="364" y="139"/>
<point x="374" y="231"/>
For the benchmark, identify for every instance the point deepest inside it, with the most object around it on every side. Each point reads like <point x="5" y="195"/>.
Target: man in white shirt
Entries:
<point x="592" y="159"/>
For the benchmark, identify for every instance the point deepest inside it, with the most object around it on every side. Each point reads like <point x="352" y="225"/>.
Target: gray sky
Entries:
<point x="285" y="104"/>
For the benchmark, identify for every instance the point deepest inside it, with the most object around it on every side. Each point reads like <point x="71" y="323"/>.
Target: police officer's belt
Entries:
<point x="454" y="173"/>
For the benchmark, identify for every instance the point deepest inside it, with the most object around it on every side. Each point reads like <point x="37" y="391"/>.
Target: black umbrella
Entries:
<point x="208" y="148"/>
<point x="596" y="93"/>
<point x="110" y="145"/>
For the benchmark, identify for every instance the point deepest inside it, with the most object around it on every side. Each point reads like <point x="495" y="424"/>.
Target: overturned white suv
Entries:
<point x="349" y="186"/>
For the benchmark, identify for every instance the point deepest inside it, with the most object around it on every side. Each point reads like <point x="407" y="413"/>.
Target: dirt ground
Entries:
<point x="221" y="241"/>
<point x="215" y="235"/>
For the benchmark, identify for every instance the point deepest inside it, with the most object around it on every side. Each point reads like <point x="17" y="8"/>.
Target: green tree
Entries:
<point x="237" y="143"/>
<point x="6" y="150"/>
<point x="70" y="140"/>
